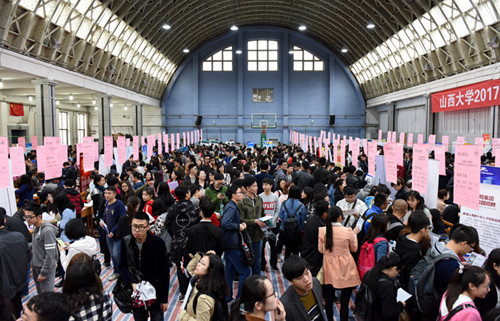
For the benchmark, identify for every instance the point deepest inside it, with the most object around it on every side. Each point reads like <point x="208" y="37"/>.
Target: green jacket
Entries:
<point x="249" y="213"/>
<point x="211" y="193"/>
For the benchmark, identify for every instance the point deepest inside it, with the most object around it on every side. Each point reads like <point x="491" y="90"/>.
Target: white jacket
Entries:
<point x="87" y="245"/>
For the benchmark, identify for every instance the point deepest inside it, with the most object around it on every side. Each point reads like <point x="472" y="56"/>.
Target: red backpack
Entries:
<point x="366" y="259"/>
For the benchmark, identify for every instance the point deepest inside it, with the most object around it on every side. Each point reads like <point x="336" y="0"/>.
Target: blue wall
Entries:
<point x="303" y="100"/>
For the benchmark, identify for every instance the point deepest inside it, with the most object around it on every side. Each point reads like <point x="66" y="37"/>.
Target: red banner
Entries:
<point x="16" y="109"/>
<point x="481" y="94"/>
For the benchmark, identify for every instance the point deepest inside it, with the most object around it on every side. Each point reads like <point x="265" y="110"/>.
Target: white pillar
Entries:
<point x="103" y="117"/>
<point x="46" y="116"/>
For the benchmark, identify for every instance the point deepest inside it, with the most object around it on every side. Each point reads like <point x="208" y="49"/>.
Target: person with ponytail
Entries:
<point x="336" y="242"/>
<point x="133" y="203"/>
<point x="467" y="283"/>
<point x="380" y="280"/>
<point x="492" y="300"/>
<point x="257" y="298"/>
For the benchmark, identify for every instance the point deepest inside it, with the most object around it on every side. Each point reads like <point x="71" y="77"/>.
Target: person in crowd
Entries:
<point x="208" y="296"/>
<point x="351" y="206"/>
<point x="81" y="243"/>
<point x="196" y="194"/>
<point x="137" y="181"/>
<point x="98" y="203"/>
<point x="281" y="173"/>
<point x="258" y="297"/>
<point x="216" y="192"/>
<point x="380" y="281"/>
<point x="321" y="173"/>
<point x="25" y="191"/>
<point x="350" y="179"/>
<point x="201" y="179"/>
<point x="443" y="196"/>
<point x="14" y="255"/>
<point x="164" y="196"/>
<point x="307" y="198"/>
<point x="74" y="196"/>
<point x="292" y="208"/>
<point x="451" y="214"/>
<point x="416" y="202"/>
<point x="401" y="189"/>
<point x="67" y="210"/>
<point x="179" y="219"/>
<point x="222" y="170"/>
<point x="380" y="204"/>
<point x="336" y="242"/>
<point x="126" y="190"/>
<point x="84" y="292"/>
<point x="340" y="184"/>
<point x="331" y="188"/>
<point x="148" y="254"/>
<point x="264" y="173"/>
<point x="466" y="284"/>
<point x="399" y="210"/>
<point x="114" y="209"/>
<point x="309" y="250"/>
<point x="132" y="206"/>
<point x="251" y="210"/>
<point x="303" y="299"/>
<point x="231" y="226"/>
<point x="270" y="207"/>
<point x="47" y="306"/>
<point x="492" y="299"/>
<point x="303" y="178"/>
<point x="148" y="194"/>
<point x="204" y="236"/>
<point x="376" y="236"/>
<point x="192" y="176"/>
<point x="278" y="190"/>
<point x="44" y="250"/>
<point x="283" y="197"/>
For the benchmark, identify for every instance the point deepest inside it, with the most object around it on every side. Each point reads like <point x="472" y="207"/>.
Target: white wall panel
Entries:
<point x="384" y="121"/>
<point x="411" y="120"/>
<point x="470" y="123"/>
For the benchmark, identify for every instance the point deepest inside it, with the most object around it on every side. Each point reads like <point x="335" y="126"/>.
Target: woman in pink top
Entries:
<point x="467" y="283"/>
<point x="336" y="242"/>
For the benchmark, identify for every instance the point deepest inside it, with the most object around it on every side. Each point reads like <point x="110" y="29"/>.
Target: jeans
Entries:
<point x="154" y="310"/>
<point x="273" y="259"/>
<point x="234" y="264"/>
<point x="257" y="250"/>
<point x="48" y="284"/>
<point x="329" y="296"/>
<point x="115" y="247"/>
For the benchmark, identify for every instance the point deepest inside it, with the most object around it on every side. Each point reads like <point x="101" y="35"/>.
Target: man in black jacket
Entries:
<point x="204" y="236"/>
<point x="310" y="238"/>
<point x="321" y="172"/>
<point x="304" y="178"/>
<point x="399" y="210"/>
<point x="303" y="300"/>
<point x="147" y="254"/>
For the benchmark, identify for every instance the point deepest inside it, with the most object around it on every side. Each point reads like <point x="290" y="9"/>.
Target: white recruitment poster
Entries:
<point x="487" y="219"/>
<point x="430" y="197"/>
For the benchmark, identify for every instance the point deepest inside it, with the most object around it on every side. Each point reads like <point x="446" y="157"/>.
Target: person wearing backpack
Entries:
<point x="207" y="300"/>
<point x="467" y="283"/>
<point x="378" y="207"/>
<point x="379" y="282"/>
<point x="336" y="242"/>
<point x="376" y="245"/>
<point x="399" y="209"/>
<point x="292" y="216"/>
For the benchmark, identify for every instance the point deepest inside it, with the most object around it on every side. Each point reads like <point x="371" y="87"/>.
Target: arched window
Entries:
<point x="222" y="60"/>
<point x="262" y="55"/>
<point x="303" y="60"/>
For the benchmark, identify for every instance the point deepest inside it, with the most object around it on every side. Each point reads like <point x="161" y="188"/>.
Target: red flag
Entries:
<point x="16" y="109"/>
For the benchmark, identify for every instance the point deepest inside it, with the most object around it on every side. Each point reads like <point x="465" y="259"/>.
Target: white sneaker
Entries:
<point x="114" y="276"/>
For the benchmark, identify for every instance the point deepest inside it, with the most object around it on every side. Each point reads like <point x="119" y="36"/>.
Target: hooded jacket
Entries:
<point x="410" y="253"/>
<point x="445" y="267"/>
<point x="14" y="258"/>
<point x="87" y="245"/>
<point x="44" y="247"/>
<point x="250" y="210"/>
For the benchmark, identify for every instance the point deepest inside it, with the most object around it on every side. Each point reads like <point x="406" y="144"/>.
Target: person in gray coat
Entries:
<point x="303" y="300"/>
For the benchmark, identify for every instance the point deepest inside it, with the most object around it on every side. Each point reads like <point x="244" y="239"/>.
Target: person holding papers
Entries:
<point x="351" y="207"/>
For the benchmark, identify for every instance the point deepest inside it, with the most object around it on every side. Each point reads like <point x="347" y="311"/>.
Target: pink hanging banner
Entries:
<point x="365" y="146"/>
<point x="127" y="142"/>
<point x="108" y="151"/>
<point x="335" y="152"/>
<point x="355" y="152"/>
<point x="201" y="134"/>
<point x="165" y="141"/>
<point x="460" y="140"/>
<point x="402" y="138"/>
<point x="445" y="142"/>
<point x="151" y="144"/>
<point x="178" y="141"/>
<point x="17" y="160"/>
<point x="315" y="144"/>
<point x="380" y="135"/>
<point x="192" y="141"/>
<point x="479" y="141"/>
<point x="391" y="168"/>
<point x="184" y="139"/>
<point x="420" y="139"/>
<point x="394" y="137"/>
<point x="172" y="143"/>
<point x="160" y="145"/>
<point x="467" y="176"/>
<point x="34" y="142"/>
<point x="135" y="147"/>
<point x="5" y="177"/>
<point x="400" y="154"/>
<point x="342" y="152"/>
<point x="439" y="154"/>
<point x="432" y="140"/>
<point x="372" y="152"/>
<point x="409" y="142"/>
<point x="495" y="143"/>
<point x="21" y="142"/>
<point x="49" y="161"/>
<point x="122" y="151"/>
<point x="420" y="167"/>
<point x="51" y="141"/>
<point x="389" y="137"/>
<point x="143" y="141"/>
<point x="87" y="150"/>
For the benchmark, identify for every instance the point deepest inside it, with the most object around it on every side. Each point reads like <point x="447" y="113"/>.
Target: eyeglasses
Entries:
<point x="430" y="228"/>
<point x="270" y="295"/>
<point x="29" y="217"/>
<point x="138" y="227"/>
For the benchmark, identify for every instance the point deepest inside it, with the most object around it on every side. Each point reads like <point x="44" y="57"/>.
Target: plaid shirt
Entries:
<point x="96" y="308"/>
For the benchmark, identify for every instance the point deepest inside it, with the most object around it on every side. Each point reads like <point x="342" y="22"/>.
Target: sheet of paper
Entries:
<point x="476" y="259"/>
<point x="445" y="142"/>
<point x="420" y="167"/>
<point x="108" y="151"/>
<point x="172" y="143"/>
<point x="420" y="139"/>
<point x="184" y="141"/>
<point x="439" y="154"/>
<point x="460" y="140"/>
<point x="51" y="141"/>
<point x="122" y="151"/>
<point x="402" y="138"/>
<point x="467" y="175"/>
<point x="21" y="142"/>
<point x="391" y="168"/>
<point x="5" y="177"/>
<point x="160" y="144"/>
<point x="402" y="295"/>
<point x="34" y="142"/>
<point x="409" y="141"/>
<point x="380" y="135"/>
<point x="178" y="141"/>
<point x="17" y="158"/>
<point x="372" y="153"/>
<point x="135" y="146"/>
<point x="151" y="144"/>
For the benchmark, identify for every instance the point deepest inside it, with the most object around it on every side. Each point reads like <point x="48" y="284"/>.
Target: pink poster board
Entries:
<point x="184" y="141"/>
<point x="151" y="144"/>
<point x="409" y="142"/>
<point x="21" y="142"/>
<point x="17" y="159"/>
<point x="420" y="139"/>
<point x="122" y="150"/>
<point x="108" y="151"/>
<point x="51" y="141"/>
<point x="479" y="141"/>
<point x="372" y="152"/>
<point x="342" y="151"/>
<point x="160" y="145"/>
<point x="135" y="147"/>
<point x="445" y="140"/>
<point x="460" y="140"/>
<point x="439" y="154"/>
<point x="420" y="167"/>
<point x="201" y="134"/>
<point x="400" y="154"/>
<point x="5" y="177"/>
<point x="178" y="141"/>
<point x="391" y="168"/>
<point x="401" y="138"/>
<point x="432" y="140"/>
<point x="355" y="152"/>
<point x="172" y="143"/>
<point x="34" y="142"/>
<point x="467" y="175"/>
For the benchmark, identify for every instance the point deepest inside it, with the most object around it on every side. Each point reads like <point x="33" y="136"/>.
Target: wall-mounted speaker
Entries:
<point x="198" y="120"/>
<point x="332" y="120"/>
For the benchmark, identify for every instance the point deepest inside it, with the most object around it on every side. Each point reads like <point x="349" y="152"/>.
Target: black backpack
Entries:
<point x="220" y="309"/>
<point x="363" y="302"/>
<point x="291" y="225"/>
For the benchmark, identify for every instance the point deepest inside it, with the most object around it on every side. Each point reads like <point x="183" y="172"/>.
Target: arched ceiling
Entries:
<point x="123" y="42"/>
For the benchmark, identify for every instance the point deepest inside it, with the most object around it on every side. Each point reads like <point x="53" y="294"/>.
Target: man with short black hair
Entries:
<point x="264" y="168"/>
<point x="303" y="299"/>
<point x="193" y="173"/>
<point x="303" y="178"/>
<point x="149" y="256"/>
<point x="270" y="208"/>
<point x="351" y="207"/>
<point x="74" y="196"/>
<point x="281" y="173"/>
<point x="49" y="306"/>
<point x="378" y="207"/>
<point x="217" y="192"/>
<point x="321" y="173"/>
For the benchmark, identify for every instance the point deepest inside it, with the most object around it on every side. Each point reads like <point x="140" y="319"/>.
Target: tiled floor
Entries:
<point x="279" y="282"/>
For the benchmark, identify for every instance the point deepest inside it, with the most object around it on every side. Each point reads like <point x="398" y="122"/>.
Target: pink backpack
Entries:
<point x="366" y="260"/>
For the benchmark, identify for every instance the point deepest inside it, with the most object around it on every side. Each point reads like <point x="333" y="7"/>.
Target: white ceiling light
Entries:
<point x="370" y="25"/>
<point x="125" y="108"/>
<point x="111" y="105"/>
<point x="95" y="107"/>
<point x="166" y="26"/>
<point x="302" y="27"/>
<point x="30" y="98"/>
<point x="57" y="102"/>
<point x="1" y="83"/>
<point x="93" y="101"/>
<point x="234" y="28"/>
<point x="77" y="105"/>
<point x="344" y="50"/>
<point x="185" y="50"/>
<point x="238" y="52"/>
<point x="70" y="96"/>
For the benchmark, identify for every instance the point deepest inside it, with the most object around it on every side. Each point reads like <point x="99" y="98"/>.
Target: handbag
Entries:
<point x="246" y="247"/>
<point x="122" y="295"/>
<point x="321" y="274"/>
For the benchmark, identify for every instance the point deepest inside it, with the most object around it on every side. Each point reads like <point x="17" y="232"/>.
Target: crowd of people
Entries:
<point x="212" y="211"/>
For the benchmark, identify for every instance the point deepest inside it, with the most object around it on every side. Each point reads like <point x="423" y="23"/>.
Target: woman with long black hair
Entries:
<point x="67" y="210"/>
<point x="25" y="190"/>
<point x="208" y="296"/>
